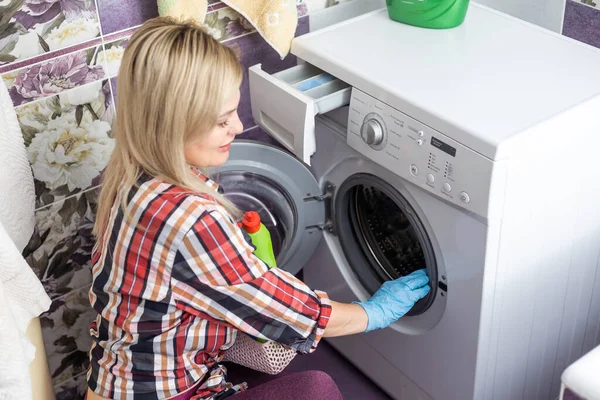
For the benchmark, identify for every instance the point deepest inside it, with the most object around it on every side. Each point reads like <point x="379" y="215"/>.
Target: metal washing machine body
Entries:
<point x="434" y="347"/>
<point x="470" y="152"/>
<point x="352" y="224"/>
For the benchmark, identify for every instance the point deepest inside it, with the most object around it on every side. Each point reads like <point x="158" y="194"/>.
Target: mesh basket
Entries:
<point x="270" y="357"/>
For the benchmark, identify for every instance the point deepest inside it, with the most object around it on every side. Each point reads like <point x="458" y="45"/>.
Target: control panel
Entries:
<point x="419" y="153"/>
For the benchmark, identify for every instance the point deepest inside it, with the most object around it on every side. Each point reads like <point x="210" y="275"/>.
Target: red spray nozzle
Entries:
<point x="251" y="222"/>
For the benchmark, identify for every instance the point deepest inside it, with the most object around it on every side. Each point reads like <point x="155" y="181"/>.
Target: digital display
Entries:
<point x="446" y="148"/>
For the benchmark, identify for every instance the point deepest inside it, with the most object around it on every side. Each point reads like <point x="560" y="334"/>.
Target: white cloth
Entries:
<point x="22" y="296"/>
<point x="17" y="193"/>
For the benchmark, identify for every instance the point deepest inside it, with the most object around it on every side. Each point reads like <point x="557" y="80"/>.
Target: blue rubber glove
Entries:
<point x="394" y="299"/>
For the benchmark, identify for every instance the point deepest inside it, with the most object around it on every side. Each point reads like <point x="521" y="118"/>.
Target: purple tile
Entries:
<point x="65" y="328"/>
<point x="55" y="76"/>
<point x="68" y="140"/>
<point x="126" y="34"/>
<point x="254" y="49"/>
<point x="582" y="23"/>
<point x="216" y="5"/>
<point x="224" y="23"/>
<point x="113" y="88"/>
<point x="48" y="56"/>
<point x="72" y="389"/>
<point x="35" y="27"/>
<point x="116" y="15"/>
<point x="302" y="10"/>
<point x="113" y="54"/>
<point x="59" y="251"/>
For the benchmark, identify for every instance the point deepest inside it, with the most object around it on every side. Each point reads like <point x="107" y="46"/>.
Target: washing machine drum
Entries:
<point x="253" y="192"/>
<point x="382" y="235"/>
<point x="387" y="232"/>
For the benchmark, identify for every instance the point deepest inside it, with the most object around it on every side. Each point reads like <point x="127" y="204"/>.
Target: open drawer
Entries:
<point x="285" y="104"/>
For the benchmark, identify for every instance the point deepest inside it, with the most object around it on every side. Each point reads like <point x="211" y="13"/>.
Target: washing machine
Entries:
<point x="471" y="152"/>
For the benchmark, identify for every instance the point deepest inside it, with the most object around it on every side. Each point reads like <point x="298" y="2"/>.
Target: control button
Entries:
<point x="430" y="178"/>
<point x="420" y="142"/>
<point x="464" y="197"/>
<point x="447" y="188"/>
<point x="372" y="132"/>
<point x="414" y="170"/>
<point x="421" y="133"/>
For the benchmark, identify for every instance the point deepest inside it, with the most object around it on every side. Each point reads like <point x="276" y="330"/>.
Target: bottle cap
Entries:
<point x="251" y="222"/>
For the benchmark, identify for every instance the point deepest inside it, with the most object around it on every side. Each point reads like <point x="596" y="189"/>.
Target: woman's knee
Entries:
<point x="317" y="385"/>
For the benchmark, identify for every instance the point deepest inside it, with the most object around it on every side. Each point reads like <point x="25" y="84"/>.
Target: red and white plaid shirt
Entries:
<point x="172" y="285"/>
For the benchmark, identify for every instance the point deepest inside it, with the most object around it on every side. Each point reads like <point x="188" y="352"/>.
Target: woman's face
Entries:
<point x="212" y="150"/>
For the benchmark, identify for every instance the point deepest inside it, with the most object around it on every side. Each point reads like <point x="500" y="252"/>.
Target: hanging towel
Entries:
<point x="275" y="20"/>
<point x="22" y="296"/>
<point x="183" y="9"/>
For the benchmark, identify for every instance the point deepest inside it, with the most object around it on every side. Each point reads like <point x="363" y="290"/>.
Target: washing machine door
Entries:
<point x="263" y="178"/>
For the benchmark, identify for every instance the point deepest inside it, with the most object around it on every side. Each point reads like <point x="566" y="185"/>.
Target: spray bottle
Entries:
<point x="261" y="237"/>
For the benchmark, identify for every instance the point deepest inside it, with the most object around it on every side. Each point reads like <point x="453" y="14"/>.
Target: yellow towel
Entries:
<point x="275" y="20"/>
<point x="185" y="9"/>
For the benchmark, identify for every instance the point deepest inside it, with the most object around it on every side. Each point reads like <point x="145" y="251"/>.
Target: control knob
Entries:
<point x="372" y="132"/>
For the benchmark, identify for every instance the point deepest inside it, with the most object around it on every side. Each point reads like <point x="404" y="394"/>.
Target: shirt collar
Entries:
<point x="212" y="184"/>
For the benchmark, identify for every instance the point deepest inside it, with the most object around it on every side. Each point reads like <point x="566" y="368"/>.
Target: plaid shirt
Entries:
<point x="173" y="283"/>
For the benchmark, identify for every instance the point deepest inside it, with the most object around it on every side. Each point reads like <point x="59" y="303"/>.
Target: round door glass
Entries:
<point x="252" y="192"/>
<point x="382" y="235"/>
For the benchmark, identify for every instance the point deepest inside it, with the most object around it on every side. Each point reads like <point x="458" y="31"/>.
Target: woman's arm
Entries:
<point x="346" y="319"/>
<point x="391" y="301"/>
<point x="216" y="276"/>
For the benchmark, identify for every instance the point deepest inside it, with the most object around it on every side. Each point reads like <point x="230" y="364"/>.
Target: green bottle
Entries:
<point x="435" y="14"/>
<point x="261" y="237"/>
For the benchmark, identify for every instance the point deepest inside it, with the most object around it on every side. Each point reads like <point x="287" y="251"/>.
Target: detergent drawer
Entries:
<point x="285" y="104"/>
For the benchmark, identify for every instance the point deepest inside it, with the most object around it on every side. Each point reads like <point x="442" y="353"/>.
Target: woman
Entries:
<point x="173" y="277"/>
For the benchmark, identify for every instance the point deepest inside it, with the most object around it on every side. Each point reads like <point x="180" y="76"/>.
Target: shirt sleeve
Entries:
<point x="216" y="276"/>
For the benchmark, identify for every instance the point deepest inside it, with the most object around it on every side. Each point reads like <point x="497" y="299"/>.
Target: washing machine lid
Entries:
<point x="480" y="92"/>
<point x="290" y="177"/>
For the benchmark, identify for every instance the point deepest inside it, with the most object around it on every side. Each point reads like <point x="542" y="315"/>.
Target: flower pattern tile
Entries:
<point x="72" y="390"/>
<point x="65" y="328"/>
<point x="225" y="24"/>
<point x="32" y="27"/>
<point x="112" y="55"/>
<point x="68" y="139"/>
<point x="55" y="75"/>
<point x="222" y="22"/>
<point x="59" y="251"/>
<point x="591" y="3"/>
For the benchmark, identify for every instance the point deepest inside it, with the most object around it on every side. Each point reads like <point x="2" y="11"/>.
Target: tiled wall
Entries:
<point x="582" y="21"/>
<point x="59" y="59"/>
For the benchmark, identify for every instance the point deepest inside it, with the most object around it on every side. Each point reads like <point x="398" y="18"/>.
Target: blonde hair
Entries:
<point x="174" y="80"/>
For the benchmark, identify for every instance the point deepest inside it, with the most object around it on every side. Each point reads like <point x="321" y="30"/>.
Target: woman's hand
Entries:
<point x="394" y="299"/>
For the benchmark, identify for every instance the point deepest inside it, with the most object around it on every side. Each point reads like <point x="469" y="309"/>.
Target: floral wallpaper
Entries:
<point x="32" y="27"/>
<point x="68" y="139"/>
<point x="57" y="75"/>
<point x="591" y="3"/>
<point x="59" y="60"/>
